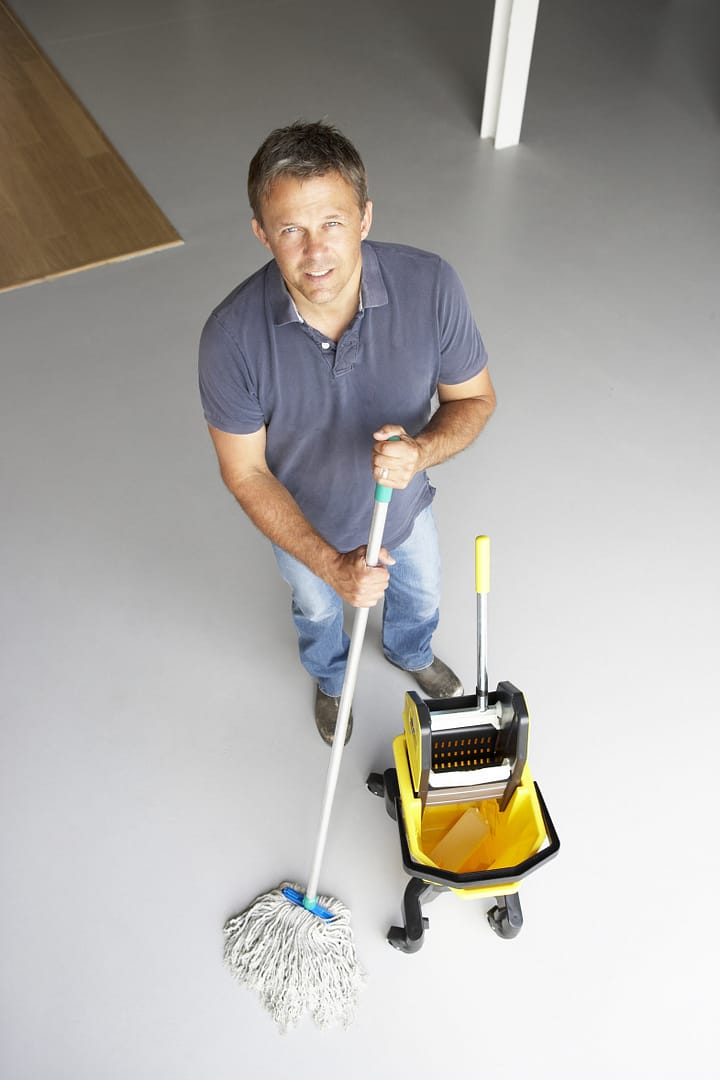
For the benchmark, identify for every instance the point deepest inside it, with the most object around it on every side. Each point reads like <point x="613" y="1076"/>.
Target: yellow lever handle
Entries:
<point x="482" y="564"/>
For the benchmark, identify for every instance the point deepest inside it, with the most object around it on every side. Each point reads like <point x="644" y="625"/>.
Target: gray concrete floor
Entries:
<point x="159" y="761"/>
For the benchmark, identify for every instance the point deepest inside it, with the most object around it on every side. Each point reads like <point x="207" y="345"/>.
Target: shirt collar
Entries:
<point x="372" y="289"/>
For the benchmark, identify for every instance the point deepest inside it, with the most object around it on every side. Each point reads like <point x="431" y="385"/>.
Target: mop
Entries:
<point x="293" y="947"/>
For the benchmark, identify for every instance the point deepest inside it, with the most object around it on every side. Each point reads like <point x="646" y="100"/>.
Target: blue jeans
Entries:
<point x="411" y="609"/>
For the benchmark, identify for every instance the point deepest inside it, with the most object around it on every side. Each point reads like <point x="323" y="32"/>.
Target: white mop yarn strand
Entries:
<point x="296" y="961"/>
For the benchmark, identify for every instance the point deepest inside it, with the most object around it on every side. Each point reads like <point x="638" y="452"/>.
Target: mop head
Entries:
<point x="296" y="961"/>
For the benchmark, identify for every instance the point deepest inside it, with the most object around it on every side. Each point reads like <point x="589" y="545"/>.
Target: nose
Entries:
<point x="315" y="243"/>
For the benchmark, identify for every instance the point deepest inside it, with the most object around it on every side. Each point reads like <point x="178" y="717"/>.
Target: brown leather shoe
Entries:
<point x="437" y="680"/>
<point x="326" y="714"/>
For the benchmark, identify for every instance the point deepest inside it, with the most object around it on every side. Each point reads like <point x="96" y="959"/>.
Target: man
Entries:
<point x="307" y="371"/>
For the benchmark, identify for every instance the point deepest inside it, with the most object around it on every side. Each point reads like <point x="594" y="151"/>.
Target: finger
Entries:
<point x="387" y="478"/>
<point x="400" y="452"/>
<point x="374" y="580"/>
<point x="368" y="593"/>
<point x="387" y="431"/>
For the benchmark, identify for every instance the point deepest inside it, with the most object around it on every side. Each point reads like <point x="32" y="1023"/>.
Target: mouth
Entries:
<point x="318" y="275"/>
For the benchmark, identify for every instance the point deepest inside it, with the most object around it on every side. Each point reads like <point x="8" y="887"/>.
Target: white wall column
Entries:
<point x="511" y="45"/>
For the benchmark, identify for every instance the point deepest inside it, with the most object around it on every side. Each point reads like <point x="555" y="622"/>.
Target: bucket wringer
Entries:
<point x="470" y="816"/>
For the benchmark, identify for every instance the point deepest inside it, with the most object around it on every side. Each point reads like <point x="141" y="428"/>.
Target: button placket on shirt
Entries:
<point x="346" y="352"/>
<point x="339" y="358"/>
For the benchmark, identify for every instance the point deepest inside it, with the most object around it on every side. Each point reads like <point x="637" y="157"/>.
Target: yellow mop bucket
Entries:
<point x="470" y="816"/>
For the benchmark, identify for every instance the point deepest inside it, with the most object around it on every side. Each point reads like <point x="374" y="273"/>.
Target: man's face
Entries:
<point x="314" y="228"/>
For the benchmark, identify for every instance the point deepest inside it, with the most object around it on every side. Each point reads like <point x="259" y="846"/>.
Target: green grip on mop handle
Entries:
<point x="383" y="493"/>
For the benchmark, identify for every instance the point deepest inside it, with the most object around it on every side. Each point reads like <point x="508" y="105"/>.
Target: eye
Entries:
<point x="288" y="229"/>
<point x="331" y="224"/>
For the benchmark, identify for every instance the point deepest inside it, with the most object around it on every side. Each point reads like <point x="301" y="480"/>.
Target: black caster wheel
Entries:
<point x="409" y="938"/>
<point x="376" y="784"/>
<point x="400" y="940"/>
<point x="385" y="786"/>
<point x="506" y="917"/>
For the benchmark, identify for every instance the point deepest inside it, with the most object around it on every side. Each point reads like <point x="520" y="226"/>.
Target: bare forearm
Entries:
<point x="273" y="510"/>
<point x="452" y="428"/>
<point x="271" y="507"/>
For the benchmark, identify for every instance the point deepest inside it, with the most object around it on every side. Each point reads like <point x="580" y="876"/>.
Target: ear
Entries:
<point x="260" y="233"/>
<point x="366" y="219"/>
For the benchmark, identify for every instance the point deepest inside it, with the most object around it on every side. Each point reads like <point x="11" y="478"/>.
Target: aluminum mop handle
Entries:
<point x="482" y="588"/>
<point x="383" y="496"/>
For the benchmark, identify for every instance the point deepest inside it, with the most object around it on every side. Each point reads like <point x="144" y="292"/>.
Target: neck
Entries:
<point x="330" y="319"/>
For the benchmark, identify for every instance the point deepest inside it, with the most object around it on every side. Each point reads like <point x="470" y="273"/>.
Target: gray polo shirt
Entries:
<point x="260" y="363"/>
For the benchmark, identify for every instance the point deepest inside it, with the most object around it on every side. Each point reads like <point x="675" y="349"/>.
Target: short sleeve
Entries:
<point x="462" y="352"/>
<point x="227" y="385"/>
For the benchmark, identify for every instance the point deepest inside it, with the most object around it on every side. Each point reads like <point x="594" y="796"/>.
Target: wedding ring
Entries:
<point x="383" y="474"/>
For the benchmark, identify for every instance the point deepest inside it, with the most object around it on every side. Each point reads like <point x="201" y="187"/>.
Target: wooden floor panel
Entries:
<point x="67" y="199"/>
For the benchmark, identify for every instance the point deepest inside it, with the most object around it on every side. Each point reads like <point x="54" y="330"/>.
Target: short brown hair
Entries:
<point x="305" y="150"/>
